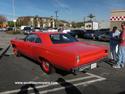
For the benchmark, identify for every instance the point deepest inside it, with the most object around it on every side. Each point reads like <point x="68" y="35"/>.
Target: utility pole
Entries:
<point x="13" y="5"/>
<point x="56" y="21"/>
<point x="84" y="19"/>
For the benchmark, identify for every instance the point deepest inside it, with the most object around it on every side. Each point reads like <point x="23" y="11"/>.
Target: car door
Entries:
<point x="28" y="45"/>
<point x="36" y="46"/>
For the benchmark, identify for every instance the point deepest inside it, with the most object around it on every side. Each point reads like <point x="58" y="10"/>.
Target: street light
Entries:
<point x="13" y="5"/>
<point x="56" y="21"/>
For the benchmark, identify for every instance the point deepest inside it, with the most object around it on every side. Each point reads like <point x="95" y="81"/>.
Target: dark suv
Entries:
<point x="76" y="33"/>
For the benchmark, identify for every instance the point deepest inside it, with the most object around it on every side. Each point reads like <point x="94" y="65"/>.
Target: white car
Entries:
<point x="66" y="31"/>
<point x="52" y="30"/>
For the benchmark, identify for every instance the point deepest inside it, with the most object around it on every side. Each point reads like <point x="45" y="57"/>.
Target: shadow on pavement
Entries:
<point x="91" y="89"/>
<point x="2" y="53"/>
<point x="110" y="62"/>
<point x="58" y="71"/>
<point x="122" y="92"/>
<point x="62" y="72"/>
<point x="69" y="88"/>
<point x="33" y="61"/>
<point x="24" y="89"/>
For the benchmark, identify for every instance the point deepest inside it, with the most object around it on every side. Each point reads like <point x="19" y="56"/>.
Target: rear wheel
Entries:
<point x="46" y="66"/>
<point x="16" y="52"/>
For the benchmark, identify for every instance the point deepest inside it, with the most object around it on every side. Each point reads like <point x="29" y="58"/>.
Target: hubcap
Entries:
<point x="15" y="51"/>
<point x="45" y="66"/>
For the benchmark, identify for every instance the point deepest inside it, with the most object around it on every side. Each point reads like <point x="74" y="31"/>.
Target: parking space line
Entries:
<point x="78" y="84"/>
<point x="98" y="78"/>
<point x="95" y="75"/>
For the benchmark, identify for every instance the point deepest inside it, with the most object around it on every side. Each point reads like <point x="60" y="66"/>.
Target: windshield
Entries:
<point x="62" y="38"/>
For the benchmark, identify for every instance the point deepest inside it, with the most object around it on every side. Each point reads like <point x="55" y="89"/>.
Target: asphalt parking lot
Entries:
<point x="15" y="72"/>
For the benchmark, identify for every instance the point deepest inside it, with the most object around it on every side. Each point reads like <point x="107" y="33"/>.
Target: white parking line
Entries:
<point x="78" y="84"/>
<point x="98" y="78"/>
<point x="9" y="54"/>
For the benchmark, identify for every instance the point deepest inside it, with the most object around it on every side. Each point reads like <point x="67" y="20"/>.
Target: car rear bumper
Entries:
<point x="88" y="66"/>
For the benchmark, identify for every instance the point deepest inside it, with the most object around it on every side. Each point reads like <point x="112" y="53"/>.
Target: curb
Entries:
<point x="4" y="50"/>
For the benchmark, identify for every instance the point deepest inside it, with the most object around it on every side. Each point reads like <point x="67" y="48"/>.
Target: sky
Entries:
<point x="69" y="10"/>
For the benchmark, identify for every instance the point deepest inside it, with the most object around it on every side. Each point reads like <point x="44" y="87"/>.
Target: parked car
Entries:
<point x="9" y="29"/>
<point x="36" y="29"/>
<point x="3" y="29"/>
<point x="77" y="33"/>
<point x="27" y="30"/>
<point x="66" y="31"/>
<point x="59" y="50"/>
<point x="89" y="34"/>
<point x="52" y="30"/>
<point x="104" y="30"/>
<point x="97" y="33"/>
<point x="22" y="27"/>
<point x="104" y="37"/>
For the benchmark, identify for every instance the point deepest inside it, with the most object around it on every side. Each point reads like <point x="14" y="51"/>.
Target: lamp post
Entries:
<point x="51" y="21"/>
<point x="56" y="21"/>
<point x="13" y="5"/>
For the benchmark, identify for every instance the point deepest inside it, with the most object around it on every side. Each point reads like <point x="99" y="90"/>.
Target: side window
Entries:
<point x="30" y="38"/>
<point x="33" y="38"/>
<point x="37" y="40"/>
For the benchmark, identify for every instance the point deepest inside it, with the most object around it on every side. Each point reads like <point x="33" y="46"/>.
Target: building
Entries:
<point x="43" y="22"/>
<point x="104" y="24"/>
<point x="35" y="21"/>
<point x="3" y="25"/>
<point x="117" y="17"/>
<point x="91" y="25"/>
<point x="3" y="21"/>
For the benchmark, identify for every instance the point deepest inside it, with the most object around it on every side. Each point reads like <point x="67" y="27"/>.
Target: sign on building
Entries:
<point x="117" y="17"/>
<point x="90" y="25"/>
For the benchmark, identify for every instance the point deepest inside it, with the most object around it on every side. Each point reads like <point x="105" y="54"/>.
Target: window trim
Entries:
<point x="36" y="36"/>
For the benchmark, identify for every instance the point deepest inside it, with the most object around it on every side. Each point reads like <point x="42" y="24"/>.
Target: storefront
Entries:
<point x="117" y="17"/>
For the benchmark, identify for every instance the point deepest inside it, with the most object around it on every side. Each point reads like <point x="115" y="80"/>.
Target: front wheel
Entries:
<point x="46" y="66"/>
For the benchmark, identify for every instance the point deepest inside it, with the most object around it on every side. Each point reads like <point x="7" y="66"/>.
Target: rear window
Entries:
<point x="62" y="38"/>
<point x="27" y="28"/>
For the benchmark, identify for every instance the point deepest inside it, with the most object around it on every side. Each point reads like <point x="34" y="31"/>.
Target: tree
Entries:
<point x="10" y="23"/>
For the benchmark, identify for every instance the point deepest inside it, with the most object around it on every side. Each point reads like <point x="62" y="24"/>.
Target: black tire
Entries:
<point x="46" y="66"/>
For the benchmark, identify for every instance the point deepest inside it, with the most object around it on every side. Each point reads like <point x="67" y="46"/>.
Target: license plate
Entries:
<point x="94" y="65"/>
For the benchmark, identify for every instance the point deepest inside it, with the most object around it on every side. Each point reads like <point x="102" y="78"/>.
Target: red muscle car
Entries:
<point x="59" y="50"/>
